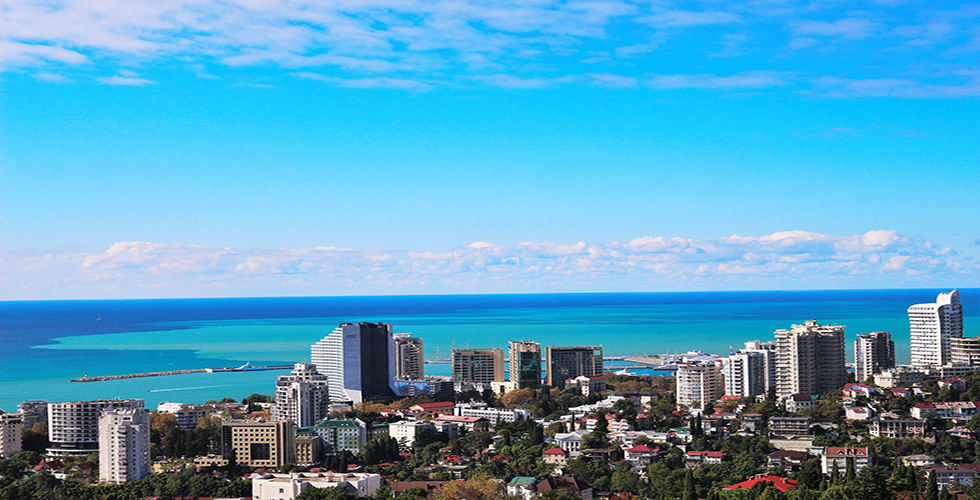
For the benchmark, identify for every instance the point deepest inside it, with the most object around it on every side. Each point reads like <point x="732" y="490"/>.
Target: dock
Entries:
<point x="103" y="378"/>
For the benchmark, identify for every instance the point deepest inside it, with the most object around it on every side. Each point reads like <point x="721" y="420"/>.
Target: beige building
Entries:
<point x="124" y="445"/>
<point x="965" y="350"/>
<point x="478" y="366"/>
<point x="11" y="433"/>
<point x="699" y="384"/>
<point x="408" y="357"/>
<point x="290" y="486"/>
<point x="873" y="352"/>
<point x="309" y="449"/>
<point x="259" y="444"/>
<point x="809" y="359"/>
<point x="842" y="456"/>
<point x="525" y="364"/>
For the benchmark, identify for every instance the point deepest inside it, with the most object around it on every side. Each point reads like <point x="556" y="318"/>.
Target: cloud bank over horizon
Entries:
<point x="782" y="260"/>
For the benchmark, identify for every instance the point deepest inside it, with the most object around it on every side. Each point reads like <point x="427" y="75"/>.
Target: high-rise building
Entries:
<point x="965" y="350"/>
<point x="563" y="363"/>
<point x="259" y="444"/>
<point x="73" y="426"/>
<point x="809" y="359"/>
<point x="357" y="360"/>
<point x="302" y="397"/>
<point x="525" y="364"/>
<point x="11" y="433"/>
<point x="409" y="358"/>
<point x="931" y="326"/>
<point x="873" y="352"/>
<point x="478" y="366"/>
<point x="124" y="444"/>
<point x="747" y="372"/>
<point x="699" y="384"/>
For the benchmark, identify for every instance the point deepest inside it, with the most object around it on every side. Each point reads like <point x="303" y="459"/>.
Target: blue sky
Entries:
<point x="190" y="148"/>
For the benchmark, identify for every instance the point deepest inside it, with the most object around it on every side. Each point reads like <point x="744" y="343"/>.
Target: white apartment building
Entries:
<point x="405" y="431"/>
<point x="873" y="352"/>
<point x="931" y="326"/>
<point x="748" y="372"/>
<point x="11" y="433"/>
<point x="124" y="444"/>
<point x="73" y="426"/>
<point x="493" y="415"/>
<point x="809" y="359"/>
<point x="290" y="486"/>
<point x="699" y="385"/>
<point x="302" y="397"/>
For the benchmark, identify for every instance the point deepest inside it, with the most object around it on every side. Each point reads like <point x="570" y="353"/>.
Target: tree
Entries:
<point x="850" y="475"/>
<point x="690" y="493"/>
<point x="478" y="488"/>
<point x="871" y="484"/>
<point x="835" y="492"/>
<point x="810" y="475"/>
<point x="932" y="488"/>
<point x="557" y="495"/>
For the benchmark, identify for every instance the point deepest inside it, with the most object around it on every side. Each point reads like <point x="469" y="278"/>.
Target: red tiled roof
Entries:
<point x="781" y="483"/>
<point x="444" y="404"/>
<point x="554" y="451"/>
<point x="642" y="449"/>
<point x="843" y="452"/>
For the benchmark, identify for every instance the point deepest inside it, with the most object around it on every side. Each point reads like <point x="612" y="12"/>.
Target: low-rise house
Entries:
<point x="430" y="487"/>
<point x="963" y="474"/>
<point x="857" y="390"/>
<point x="271" y="486"/>
<point x="842" y="456"/>
<point x="555" y="456"/>
<point x="858" y="413"/>
<point x="565" y="483"/>
<point x="781" y="483"/>
<point x="641" y="455"/>
<point x="788" y="459"/>
<point x="470" y="424"/>
<point x="600" y="456"/>
<point x="588" y="385"/>
<point x="950" y="410"/>
<point x="922" y="461"/>
<point x="953" y="384"/>
<point x="901" y="392"/>
<point x="432" y="409"/>
<point x="406" y="431"/>
<point x="570" y="441"/>
<point x="754" y="422"/>
<point x="698" y="458"/>
<point x="523" y="487"/>
<point x="797" y="402"/>
<point x="897" y="428"/>
<point x="961" y="432"/>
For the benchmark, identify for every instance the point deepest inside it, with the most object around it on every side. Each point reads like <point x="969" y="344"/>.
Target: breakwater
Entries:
<point x="103" y="378"/>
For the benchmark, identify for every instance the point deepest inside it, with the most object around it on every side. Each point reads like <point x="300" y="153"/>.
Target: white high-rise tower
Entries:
<point x="124" y="444"/>
<point x="302" y="397"/>
<point x="357" y="360"/>
<point x="931" y="326"/>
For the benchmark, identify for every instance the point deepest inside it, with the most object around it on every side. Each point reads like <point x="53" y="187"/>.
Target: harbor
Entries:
<point x="244" y="368"/>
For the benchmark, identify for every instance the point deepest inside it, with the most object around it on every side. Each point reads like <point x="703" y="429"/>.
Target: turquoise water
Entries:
<point x="52" y="342"/>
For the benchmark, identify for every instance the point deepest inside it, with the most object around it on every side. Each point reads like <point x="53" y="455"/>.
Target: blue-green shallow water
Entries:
<point x="46" y="343"/>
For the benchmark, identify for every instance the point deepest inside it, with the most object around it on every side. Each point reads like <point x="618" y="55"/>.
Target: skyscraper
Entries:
<point x="931" y="326"/>
<point x="73" y="426"/>
<point x="563" y="363"/>
<point x="124" y="444"/>
<point x="302" y="397"/>
<point x="409" y="360"/>
<point x="357" y="361"/>
<point x="873" y="352"/>
<point x="478" y="366"/>
<point x="698" y="384"/>
<point x="809" y="359"/>
<point x="747" y="372"/>
<point x="525" y="364"/>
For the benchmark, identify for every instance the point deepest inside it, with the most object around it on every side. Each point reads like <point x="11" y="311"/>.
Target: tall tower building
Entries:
<point x="357" y="361"/>
<point x="931" y="326"/>
<point x="73" y="426"/>
<point x="124" y="444"/>
<point x="747" y="371"/>
<point x="873" y="352"/>
<point x="478" y="366"/>
<point x="563" y="363"/>
<point x="302" y="397"/>
<point x="525" y="364"/>
<point x="809" y="359"/>
<point x="409" y="359"/>
<point x="698" y="384"/>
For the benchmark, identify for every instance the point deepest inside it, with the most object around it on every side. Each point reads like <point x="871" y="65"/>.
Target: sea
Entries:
<point x="44" y="344"/>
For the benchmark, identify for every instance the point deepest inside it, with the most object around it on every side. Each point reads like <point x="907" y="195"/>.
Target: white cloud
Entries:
<point x="847" y="28"/>
<point x="687" y="18"/>
<point x="786" y="259"/>
<point x="745" y="80"/>
<point x="125" y="80"/>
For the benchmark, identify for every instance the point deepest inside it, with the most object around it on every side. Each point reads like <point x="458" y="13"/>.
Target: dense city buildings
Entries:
<point x="809" y="359"/>
<point x="699" y="384"/>
<point x="409" y="357"/>
<point x="11" y="433"/>
<point x="931" y="328"/>
<point x="965" y="350"/>
<point x="357" y="360"/>
<point x="563" y="363"/>
<point x="525" y="364"/>
<point x="124" y="444"/>
<point x="302" y="397"/>
<point x="73" y="426"/>
<point x="873" y="352"/>
<point x="478" y="366"/>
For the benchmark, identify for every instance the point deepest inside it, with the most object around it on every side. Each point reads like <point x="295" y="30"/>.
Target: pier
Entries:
<point x="245" y="368"/>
